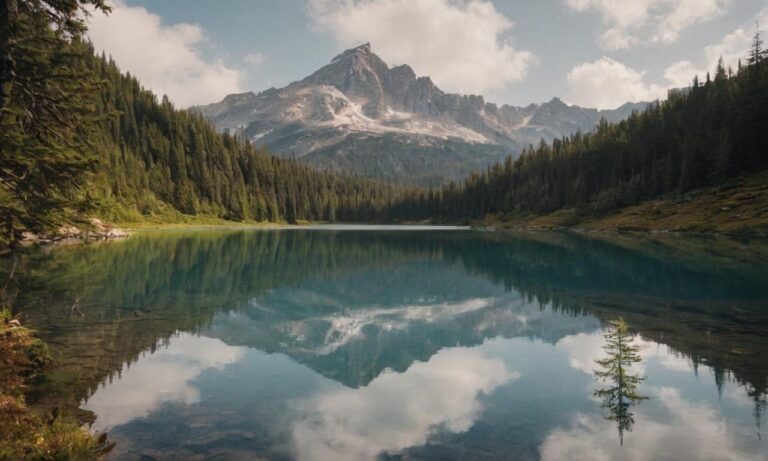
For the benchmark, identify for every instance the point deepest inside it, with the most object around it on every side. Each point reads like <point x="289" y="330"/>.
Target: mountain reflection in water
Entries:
<point x="365" y="344"/>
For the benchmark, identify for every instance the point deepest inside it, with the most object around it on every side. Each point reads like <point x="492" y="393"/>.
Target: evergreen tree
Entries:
<point x="709" y="134"/>
<point x="44" y="107"/>
<point x="756" y="53"/>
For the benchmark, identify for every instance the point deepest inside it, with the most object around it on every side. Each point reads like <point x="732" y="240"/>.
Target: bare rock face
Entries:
<point x="358" y="74"/>
<point x="357" y="104"/>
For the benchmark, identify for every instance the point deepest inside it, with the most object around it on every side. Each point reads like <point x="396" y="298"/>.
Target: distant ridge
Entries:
<point x="359" y="114"/>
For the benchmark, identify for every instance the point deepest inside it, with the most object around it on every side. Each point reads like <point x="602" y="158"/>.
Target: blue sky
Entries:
<point x="597" y="53"/>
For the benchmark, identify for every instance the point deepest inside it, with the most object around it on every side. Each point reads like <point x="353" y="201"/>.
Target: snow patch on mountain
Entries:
<point x="365" y="116"/>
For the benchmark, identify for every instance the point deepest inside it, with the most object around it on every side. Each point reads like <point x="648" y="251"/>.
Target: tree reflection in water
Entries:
<point x="621" y="393"/>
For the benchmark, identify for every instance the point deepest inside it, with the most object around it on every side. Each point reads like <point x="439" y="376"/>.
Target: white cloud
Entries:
<point x="165" y="58"/>
<point x="606" y="84"/>
<point x="400" y="410"/>
<point x="731" y="48"/>
<point x="163" y="376"/>
<point x="680" y="74"/>
<point x="686" y="13"/>
<point x="462" y="44"/>
<point x="631" y="22"/>
<point x="254" y="59"/>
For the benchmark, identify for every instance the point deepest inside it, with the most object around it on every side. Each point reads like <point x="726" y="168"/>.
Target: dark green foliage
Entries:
<point x="398" y="159"/>
<point x="154" y="157"/>
<point x="44" y="113"/>
<point x="80" y="138"/>
<point x="756" y="52"/>
<point x="698" y="137"/>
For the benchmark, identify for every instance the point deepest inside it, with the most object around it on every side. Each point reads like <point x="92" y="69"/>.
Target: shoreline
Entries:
<point x="738" y="209"/>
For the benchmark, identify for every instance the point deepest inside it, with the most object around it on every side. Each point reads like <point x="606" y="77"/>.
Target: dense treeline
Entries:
<point x="80" y="138"/>
<point x="153" y="155"/>
<point x="700" y="136"/>
<point x="46" y="116"/>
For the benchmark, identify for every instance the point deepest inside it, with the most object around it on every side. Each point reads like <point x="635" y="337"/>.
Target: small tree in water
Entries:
<point x="621" y="394"/>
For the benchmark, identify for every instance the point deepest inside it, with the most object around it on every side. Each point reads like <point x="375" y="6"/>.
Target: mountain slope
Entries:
<point x="156" y="162"/>
<point x="358" y="114"/>
<point x="703" y="149"/>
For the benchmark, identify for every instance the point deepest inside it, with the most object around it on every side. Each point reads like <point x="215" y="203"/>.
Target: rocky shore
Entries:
<point x="94" y="230"/>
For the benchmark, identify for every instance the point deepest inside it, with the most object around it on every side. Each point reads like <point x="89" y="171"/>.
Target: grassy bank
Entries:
<point x="156" y="214"/>
<point x="178" y="220"/>
<point x="736" y="208"/>
<point x="191" y="223"/>
<point x="25" y="433"/>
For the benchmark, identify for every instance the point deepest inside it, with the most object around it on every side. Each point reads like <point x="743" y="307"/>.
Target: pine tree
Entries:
<point x="756" y="53"/>
<point x="701" y="137"/>
<point x="44" y="114"/>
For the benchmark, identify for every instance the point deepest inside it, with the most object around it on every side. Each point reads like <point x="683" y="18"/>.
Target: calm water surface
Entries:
<point x="366" y="343"/>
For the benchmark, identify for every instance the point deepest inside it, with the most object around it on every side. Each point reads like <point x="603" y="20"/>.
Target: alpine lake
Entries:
<point x="394" y="342"/>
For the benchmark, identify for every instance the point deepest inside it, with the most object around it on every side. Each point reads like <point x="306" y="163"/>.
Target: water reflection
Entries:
<point x="399" y="410"/>
<point x="584" y="349"/>
<point x="615" y="370"/>
<point x="158" y="378"/>
<point x="683" y="429"/>
<point x="439" y="345"/>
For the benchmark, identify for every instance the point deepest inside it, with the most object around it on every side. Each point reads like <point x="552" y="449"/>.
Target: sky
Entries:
<point x="594" y="53"/>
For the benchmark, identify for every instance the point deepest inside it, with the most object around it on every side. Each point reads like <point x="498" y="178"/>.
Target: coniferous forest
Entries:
<point x="80" y="138"/>
<point x="371" y="342"/>
<point x="153" y="156"/>
<point x="700" y="136"/>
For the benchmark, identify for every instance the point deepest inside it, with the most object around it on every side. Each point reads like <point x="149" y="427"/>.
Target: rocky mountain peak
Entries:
<point x="361" y="52"/>
<point x="404" y="71"/>
<point x="358" y="114"/>
<point x="557" y="102"/>
<point x="239" y="98"/>
<point x="359" y="74"/>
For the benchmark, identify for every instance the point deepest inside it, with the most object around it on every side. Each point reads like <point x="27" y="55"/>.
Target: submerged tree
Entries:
<point x="621" y="393"/>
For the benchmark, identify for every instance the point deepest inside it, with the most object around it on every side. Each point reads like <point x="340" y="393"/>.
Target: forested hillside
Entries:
<point x="153" y="155"/>
<point x="701" y="136"/>
<point x="79" y="138"/>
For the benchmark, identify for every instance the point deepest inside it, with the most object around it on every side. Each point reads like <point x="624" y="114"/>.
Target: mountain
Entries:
<point x="358" y="114"/>
<point x="698" y="161"/>
<point x="154" y="161"/>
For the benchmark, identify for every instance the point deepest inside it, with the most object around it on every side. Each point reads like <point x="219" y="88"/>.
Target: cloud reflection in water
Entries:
<point x="162" y="376"/>
<point x="676" y="429"/>
<point x="693" y="431"/>
<point x="399" y="410"/>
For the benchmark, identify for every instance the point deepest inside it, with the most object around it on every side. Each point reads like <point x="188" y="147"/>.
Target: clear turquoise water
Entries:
<point x="371" y="343"/>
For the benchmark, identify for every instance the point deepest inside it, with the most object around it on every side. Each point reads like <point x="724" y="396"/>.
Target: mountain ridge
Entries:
<point x="357" y="99"/>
